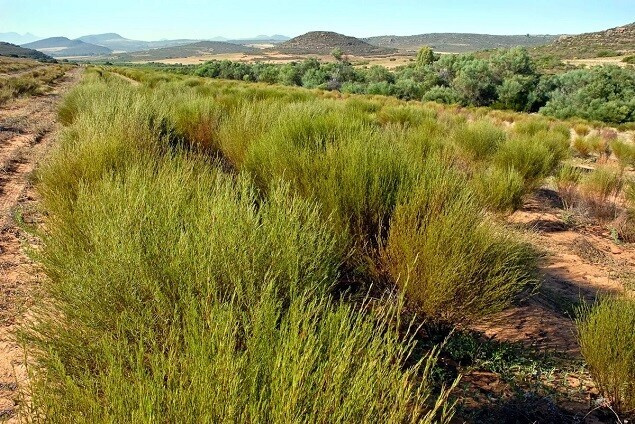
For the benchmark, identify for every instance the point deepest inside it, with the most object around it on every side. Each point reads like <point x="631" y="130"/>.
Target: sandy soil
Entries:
<point x="617" y="60"/>
<point x="27" y="130"/>
<point x="581" y="261"/>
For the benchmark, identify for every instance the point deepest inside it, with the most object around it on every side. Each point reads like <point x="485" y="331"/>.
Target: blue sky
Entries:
<point x="148" y="20"/>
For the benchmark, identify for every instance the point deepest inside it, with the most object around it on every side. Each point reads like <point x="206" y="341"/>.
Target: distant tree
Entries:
<point x="425" y="57"/>
<point x="337" y="53"/>
<point x="378" y="73"/>
<point x="267" y="73"/>
<point x="514" y="61"/>
<point x="476" y="84"/>
<point x="515" y="91"/>
<point x="290" y="75"/>
<point x="442" y="94"/>
<point x="314" y="78"/>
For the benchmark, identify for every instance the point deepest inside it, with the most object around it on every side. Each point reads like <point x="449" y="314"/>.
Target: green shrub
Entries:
<point x="597" y="187"/>
<point x="629" y="193"/>
<point x="598" y="144"/>
<point x="606" y="335"/>
<point x="404" y="115"/>
<point x="197" y="120"/>
<point x="360" y="170"/>
<point x="582" y="129"/>
<point x="566" y="180"/>
<point x="531" y="156"/>
<point x="531" y="126"/>
<point x="479" y="140"/>
<point x="452" y="262"/>
<point x="625" y="152"/>
<point x="179" y="293"/>
<point x="582" y="146"/>
<point x="184" y="299"/>
<point x="501" y="189"/>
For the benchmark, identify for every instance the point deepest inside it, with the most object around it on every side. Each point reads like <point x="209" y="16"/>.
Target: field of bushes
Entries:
<point x="218" y="251"/>
<point x="505" y="79"/>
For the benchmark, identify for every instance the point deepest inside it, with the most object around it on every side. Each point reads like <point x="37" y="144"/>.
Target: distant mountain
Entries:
<point x="99" y="38"/>
<point x="11" y="50"/>
<point x="201" y="48"/>
<point x="15" y="38"/>
<point x="611" y="42"/>
<point x="117" y="43"/>
<point x="275" y="37"/>
<point x="323" y="42"/>
<point x="64" y="47"/>
<point x="458" y="42"/>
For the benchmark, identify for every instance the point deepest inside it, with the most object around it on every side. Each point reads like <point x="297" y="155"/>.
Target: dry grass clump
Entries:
<point x="479" y="140"/>
<point x="598" y="190"/>
<point x="581" y="129"/>
<point x="567" y="180"/>
<point x="624" y="152"/>
<point x="582" y="146"/>
<point x="606" y="334"/>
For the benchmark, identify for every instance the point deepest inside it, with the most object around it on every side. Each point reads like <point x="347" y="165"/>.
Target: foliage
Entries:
<point x="451" y="262"/>
<point x="507" y="79"/>
<point x="606" y="334"/>
<point x="604" y="93"/>
<point x="180" y="292"/>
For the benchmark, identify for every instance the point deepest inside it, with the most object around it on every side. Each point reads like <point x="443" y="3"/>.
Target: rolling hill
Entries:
<point x="117" y="43"/>
<point x="200" y="48"/>
<point x="15" y="38"/>
<point x="611" y="42"/>
<point x="11" y="50"/>
<point x="64" y="47"/>
<point x="458" y="42"/>
<point x="323" y="42"/>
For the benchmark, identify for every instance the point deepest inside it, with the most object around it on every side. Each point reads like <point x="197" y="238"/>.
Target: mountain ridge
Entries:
<point x="323" y="42"/>
<point x="65" y="47"/>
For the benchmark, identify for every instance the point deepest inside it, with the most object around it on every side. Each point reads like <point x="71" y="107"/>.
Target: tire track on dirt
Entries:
<point x="27" y="130"/>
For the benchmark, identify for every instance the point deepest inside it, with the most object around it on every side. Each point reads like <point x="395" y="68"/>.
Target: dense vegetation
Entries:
<point x="507" y="79"/>
<point x="217" y="250"/>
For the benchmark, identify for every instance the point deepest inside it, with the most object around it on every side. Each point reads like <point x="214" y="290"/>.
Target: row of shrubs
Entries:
<point x="181" y="293"/>
<point x="29" y="84"/>
<point x="508" y="79"/>
<point x="205" y="287"/>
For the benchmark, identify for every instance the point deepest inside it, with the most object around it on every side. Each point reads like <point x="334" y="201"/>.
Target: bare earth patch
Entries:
<point x="27" y="130"/>
<point x="580" y="263"/>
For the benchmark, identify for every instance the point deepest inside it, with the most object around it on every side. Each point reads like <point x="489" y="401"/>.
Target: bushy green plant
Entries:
<point x="582" y="129"/>
<point x="606" y="333"/>
<point x="360" y="171"/>
<point x="625" y="152"/>
<point x="597" y="188"/>
<point x="453" y="264"/>
<point x="566" y="180"/>
<point x="501" y="189"/>
<point x="582" y="146"/>
<point x="479" y="140"/>
<point x="530" y="156"/>
<point x="182" y="299"/>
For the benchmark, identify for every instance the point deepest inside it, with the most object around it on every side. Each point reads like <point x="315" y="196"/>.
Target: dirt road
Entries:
<point x="27" y="130"/>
